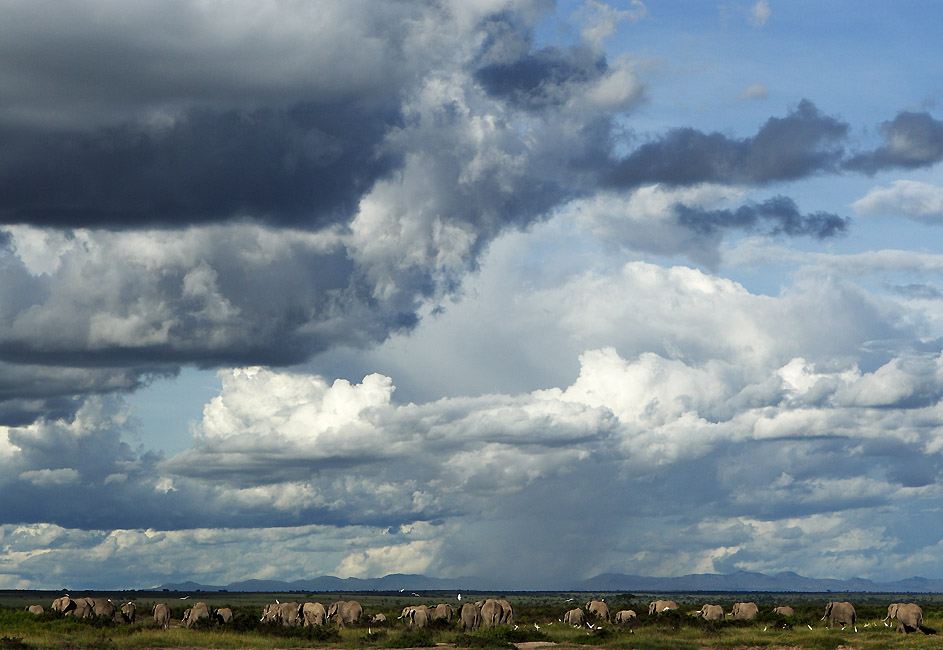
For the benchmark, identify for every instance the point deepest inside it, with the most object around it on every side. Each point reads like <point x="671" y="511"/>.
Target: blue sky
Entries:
<point x="366" y="287"/>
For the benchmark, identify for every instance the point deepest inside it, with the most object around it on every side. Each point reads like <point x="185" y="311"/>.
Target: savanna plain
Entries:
<point x="537" y="622"/>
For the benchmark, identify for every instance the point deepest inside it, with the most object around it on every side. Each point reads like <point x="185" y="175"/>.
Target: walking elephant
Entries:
<point x="84" y="608"/>
<point x="575" y="617"/>
<point x="842" y="613"/>
<point x="162" y="615"/>
<point x="492" y="613"/>
<point x="469" y="617"/>
<point x="442" y="612"/>
<point x="710" y="613"/>
<point x="909" y="617"/>
<point x="784" y="610"/>
<point x="417" y="617"/>
<point x="223" y="615"/>
<point x="624" y="616"/>
<point x="659" y="606"/>
<point x="313" y="614"/>
<point x="744" y="611"/>
<point x="198" y="612"/>
<point x="35" y="609"/>
<point x="597" y="609"/>
<point x="63" y="604"/>
<point x="507" y="612"/>
<point x="346" y="612"/>
<point x="129" y="612"/>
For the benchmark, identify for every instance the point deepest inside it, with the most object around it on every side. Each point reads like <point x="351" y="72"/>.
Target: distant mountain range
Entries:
<point x="606" y="582"/>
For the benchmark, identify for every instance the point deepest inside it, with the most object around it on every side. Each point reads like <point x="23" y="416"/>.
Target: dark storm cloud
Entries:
<point x="778" y="215"/>
<point x="912" y="140"/>
<point x="306" y="166"/>
<point x="804" y="142"/>
<point x="541" y="78"/>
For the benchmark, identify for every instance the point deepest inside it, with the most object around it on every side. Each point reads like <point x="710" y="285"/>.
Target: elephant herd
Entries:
<point x="472" y="616"/>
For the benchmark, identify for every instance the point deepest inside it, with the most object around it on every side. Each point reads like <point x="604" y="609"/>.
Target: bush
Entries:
<point x="419" y="638"/>
<point x="12" y="643"/>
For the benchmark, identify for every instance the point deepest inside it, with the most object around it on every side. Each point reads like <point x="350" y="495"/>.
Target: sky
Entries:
<point x="503" y="288"/>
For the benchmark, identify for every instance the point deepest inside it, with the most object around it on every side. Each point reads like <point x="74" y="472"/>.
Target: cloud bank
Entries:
<point x="554" y="269"/>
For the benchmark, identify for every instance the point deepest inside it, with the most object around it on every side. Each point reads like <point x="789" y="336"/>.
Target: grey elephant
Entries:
<point x="289" y="614"/>
<point x="162" y="615"/>
<point x="129" y="612"/>
<point x="597" y="609"/>
<point x="378" y="619"/>
<point x="710" y="613"/>
<point x="492" y="613"/>
<point x="198" y="612"/>
<point x="575" y="617"/>
<point x="313" y="614"/>
<point x="418" y="617"/>
<point x="63" y="604"/>
<point x="84" y="608"/>
<point x="35" y="609"/>
<point x="469" y="617"/>
<point x="269" y="613"/>
<point x="442" y="612"/>
<point x="223" y="615"/>
<point x="346" y="612"/>
<point x="624" y="616"/>
<point x="507" y="612"/>
<point x="744" y="611"/>
<point x="842" y="613"/>
<point x="784" y="610"/>
<point x="909" y="617"/>
<point x="659" y="606"/>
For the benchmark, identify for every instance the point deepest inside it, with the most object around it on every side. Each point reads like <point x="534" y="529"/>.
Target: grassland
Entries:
<point x="536" y="621"/>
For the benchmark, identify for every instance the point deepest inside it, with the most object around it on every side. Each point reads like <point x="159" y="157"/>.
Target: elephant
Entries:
<point x="711" y="612"/>
<point x="659" y="606"/>
<point x="197" y="612"/>
<point x="418" y="617"/>
<point x="289" y="614"/>
<point x="104" y="608"/>
<point x="507" y="613"/>
<point x="624" y="616"/>
<point x="597" y="609"/>
<point x="470" y="617"/>
<point x="842" y="613"/>
<point x="348" y="611"/>
<point x="784" y="610"/>
<point x="35" y="609"/>
<point x="575" y="617"/>
<point x="442" y="612"/>
<point x="129" y="612"/>
<point x="269" y="613"/>
<point x="313" y="614"/>
<point x="744" y="611"/>
<point x="223" y="615"/>
<point x="84" y="608"/>
<point x="63" y="604"/>
<point x="378" y="618"/>
<point x="492" y="613"/>
<point x="162" y="615"/>
<point x="909" y="617"/>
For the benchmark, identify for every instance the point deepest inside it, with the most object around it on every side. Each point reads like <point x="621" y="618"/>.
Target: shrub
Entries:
<point x="419" y="638"/>
<point x="12" y="643"/>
